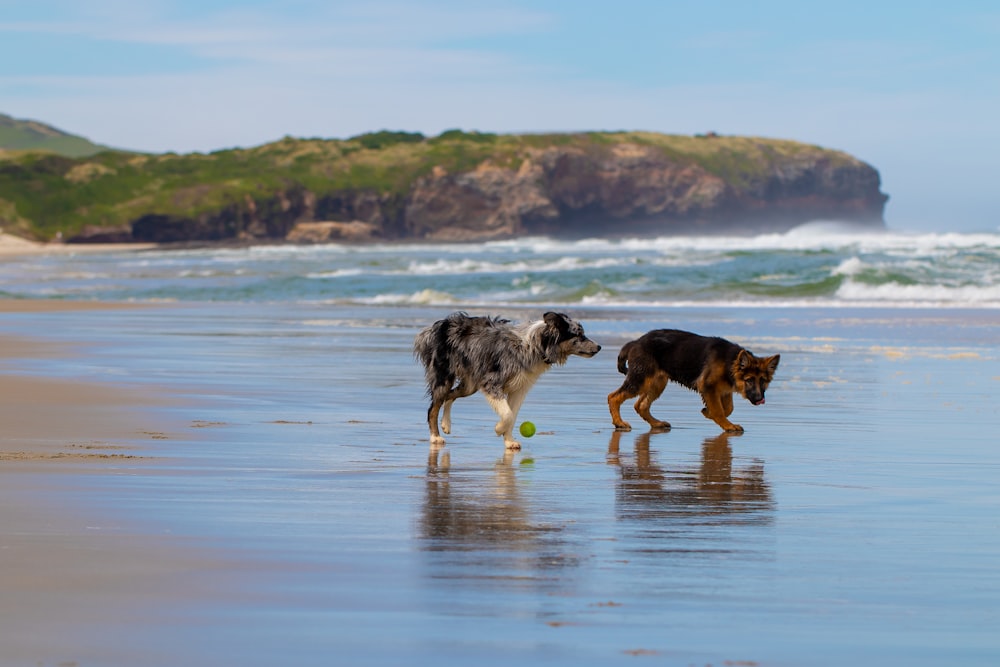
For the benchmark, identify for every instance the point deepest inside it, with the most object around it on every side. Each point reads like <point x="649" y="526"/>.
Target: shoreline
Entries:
<point x="14" y="246"/>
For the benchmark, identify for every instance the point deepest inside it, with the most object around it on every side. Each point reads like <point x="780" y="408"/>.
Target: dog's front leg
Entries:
<point x="714" y="409"/>
<point x="505" y="426"/>
<point x="514" y="400"/>
<point x="727" y="404"/>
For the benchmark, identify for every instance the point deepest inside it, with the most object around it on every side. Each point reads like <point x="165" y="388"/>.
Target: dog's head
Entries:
<point x="753" y="374"/>
<point x="563" y="337"/>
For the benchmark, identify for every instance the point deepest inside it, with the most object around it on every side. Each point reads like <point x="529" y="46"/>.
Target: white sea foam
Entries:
<point x="880" y="268"/>
<point x="851" y="266"/>
<point x="537" y="265"/>
<point x="337" y="273"/>
<point x="425" y="297"/>
<point x="920" y="295"/>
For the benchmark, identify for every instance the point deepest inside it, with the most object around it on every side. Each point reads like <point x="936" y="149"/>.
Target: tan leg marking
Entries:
<point x="651" y="390"/>
<point x="715" y="411"/>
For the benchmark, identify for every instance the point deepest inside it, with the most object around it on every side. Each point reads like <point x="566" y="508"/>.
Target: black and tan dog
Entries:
<point x="714" y="367"/>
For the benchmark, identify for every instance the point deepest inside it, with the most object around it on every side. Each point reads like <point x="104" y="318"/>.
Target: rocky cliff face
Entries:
<point x="612" y="188"/>
<point x="566" y="192"/>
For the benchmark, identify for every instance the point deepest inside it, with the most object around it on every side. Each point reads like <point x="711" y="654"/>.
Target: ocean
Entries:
<point x="813" y="265"/>
<point x="854" y="522"/>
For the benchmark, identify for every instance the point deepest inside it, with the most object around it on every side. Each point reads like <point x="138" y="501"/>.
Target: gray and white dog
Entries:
<point x="463" y="354"/>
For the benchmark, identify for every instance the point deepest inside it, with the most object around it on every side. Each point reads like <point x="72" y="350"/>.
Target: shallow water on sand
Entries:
<point x="855" y="522"/>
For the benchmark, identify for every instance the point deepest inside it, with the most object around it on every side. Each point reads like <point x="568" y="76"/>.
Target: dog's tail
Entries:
<point x="623" y="357"/>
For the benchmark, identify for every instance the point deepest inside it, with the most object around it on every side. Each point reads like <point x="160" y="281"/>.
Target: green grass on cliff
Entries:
<point x="741" y="161"/>
<point x="42" y="193"/>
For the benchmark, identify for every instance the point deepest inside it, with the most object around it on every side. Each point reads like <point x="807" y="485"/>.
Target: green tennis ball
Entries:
<point x="527" y="429"/>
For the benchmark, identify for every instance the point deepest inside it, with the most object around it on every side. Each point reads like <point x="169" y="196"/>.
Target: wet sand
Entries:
<point x="245" y="485"/>
<point x="67" y="568"/>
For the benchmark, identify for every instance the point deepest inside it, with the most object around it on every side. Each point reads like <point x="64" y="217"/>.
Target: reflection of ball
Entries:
<point x="527" y="429"/>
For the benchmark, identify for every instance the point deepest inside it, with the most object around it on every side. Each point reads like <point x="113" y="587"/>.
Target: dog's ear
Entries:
<point x="555" y="327"/>
<point x="556" y="320"/>
<point x="771" y="363"/>
<point x="743" y="360"/>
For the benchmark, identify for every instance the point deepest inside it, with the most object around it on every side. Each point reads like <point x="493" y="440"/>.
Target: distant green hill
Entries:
<point x="30" y="135"/>
<point x="455" y="186"/>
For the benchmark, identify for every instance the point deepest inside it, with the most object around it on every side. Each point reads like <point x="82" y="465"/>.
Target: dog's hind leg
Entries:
<point x="439" y="397"/>
<point x="651" y="390"/>
<point x="461" y="391"/>
<point x="446" y="417"/>
<point x="432" y="416"/>
<point x="615" y="400"/>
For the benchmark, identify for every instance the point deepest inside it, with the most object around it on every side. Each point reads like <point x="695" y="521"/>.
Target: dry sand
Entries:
<point x="15" y="245"/>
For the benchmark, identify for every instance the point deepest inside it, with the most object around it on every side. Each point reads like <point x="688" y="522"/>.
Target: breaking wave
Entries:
<point x="817" y="264"/>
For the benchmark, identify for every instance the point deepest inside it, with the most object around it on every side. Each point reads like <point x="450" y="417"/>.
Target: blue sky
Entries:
<point x="912" y="88"/>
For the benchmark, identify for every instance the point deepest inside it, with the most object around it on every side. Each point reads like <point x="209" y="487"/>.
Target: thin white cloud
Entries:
<point x="367" y="23"/>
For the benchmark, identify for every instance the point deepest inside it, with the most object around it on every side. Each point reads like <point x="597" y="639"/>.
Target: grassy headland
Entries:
<point x="43" y="194"/>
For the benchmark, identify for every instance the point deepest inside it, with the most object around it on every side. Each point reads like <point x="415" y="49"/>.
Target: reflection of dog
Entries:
<point x="713" y="367"/>
<point x="731" y="494"/>
<point x="501" y="359"/>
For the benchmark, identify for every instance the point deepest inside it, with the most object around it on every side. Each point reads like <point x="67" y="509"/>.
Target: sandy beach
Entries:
<point x="15" y="245"/>
<point x="12" y="246"/>
<point x="65" y="566"/>
<point x="203" y="484"/>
